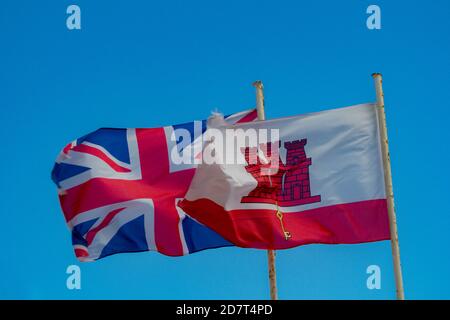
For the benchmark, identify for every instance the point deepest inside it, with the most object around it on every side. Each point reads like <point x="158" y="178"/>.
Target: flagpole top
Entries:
<point x="376" y="74"/>
<point x="258" y="84"/>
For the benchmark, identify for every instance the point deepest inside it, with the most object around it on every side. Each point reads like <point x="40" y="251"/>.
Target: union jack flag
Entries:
<point x="118" y="190"/>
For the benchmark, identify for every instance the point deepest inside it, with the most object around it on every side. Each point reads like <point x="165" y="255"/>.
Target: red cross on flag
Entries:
<point x="118" y="189"/>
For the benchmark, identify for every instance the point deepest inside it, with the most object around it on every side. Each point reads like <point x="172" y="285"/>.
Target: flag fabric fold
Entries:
<point x="328" y="186"/>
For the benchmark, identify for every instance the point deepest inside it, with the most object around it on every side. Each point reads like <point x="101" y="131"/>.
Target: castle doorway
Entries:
<point x="297" y="191"/>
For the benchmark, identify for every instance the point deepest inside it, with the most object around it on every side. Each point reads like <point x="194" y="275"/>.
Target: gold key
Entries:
<point x="287" y="234"/>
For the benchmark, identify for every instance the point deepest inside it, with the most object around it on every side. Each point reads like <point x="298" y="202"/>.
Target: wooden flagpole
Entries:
<point x="388" y="184"/>
<point x="270" y="253"/>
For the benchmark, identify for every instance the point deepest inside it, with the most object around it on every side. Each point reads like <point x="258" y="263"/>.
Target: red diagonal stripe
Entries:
<point x="92" y="233"/>
<point x="249" y="117"/>
<point x="101" y="155"/>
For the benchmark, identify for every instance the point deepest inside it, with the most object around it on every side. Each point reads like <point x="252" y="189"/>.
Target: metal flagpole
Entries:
<point x="270" y="253"/>
<point x="388" y="184"/>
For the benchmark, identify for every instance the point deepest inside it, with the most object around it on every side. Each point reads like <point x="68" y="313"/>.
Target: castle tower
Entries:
<point x="268" y="185"/>
<point x="295" y="188"/>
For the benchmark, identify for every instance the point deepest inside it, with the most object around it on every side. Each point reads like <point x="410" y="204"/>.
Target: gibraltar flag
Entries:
<point x="329" y="186"/>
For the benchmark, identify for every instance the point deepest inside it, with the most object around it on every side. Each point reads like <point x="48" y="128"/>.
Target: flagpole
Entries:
<point x="270" y="253"/>
<point x="388" y="184"/>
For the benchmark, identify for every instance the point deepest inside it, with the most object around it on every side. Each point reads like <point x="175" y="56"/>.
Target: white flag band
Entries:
<point x="340" y="154"/>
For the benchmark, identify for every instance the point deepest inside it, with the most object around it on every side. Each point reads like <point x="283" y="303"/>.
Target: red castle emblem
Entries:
<point x="290" y="185"/>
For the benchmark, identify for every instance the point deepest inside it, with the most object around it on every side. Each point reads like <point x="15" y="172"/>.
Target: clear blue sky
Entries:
<point x="149" y="63"/>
